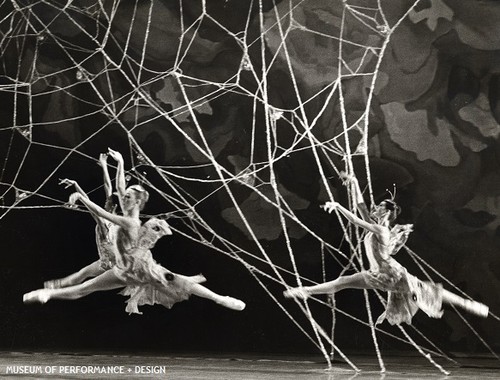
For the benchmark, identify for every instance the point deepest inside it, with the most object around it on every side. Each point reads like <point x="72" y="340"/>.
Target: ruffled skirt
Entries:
<point x="406" y="294"/>
<point x="178" y="290"/>
<point x="149" y="283"/>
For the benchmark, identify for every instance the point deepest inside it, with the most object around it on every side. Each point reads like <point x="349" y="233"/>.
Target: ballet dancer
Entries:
<point x="105" y="230"/>
<point x="105" y="235"/>
<point x="145" y="281"/>
<point x="406" y="293"/>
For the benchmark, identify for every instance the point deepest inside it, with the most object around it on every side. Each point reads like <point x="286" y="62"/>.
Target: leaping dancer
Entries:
<point x="406" y="293"/>
<point x="105" y="232"/>
<point x="145" y="281"/>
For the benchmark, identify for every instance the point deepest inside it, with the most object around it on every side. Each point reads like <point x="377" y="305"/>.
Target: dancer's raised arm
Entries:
<point x="369" y="226"/>
<point x="108" y="187"/>
<point x="359" y="200"/>
<point x="120" y="182"/>
<point x="103" y="163"/>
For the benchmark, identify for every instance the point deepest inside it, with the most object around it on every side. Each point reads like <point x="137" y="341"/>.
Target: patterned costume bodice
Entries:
<point x="137" y="258"/>
<point x="147" y="236"/>
<point x="379" y="253"/>
<point x="106" y="233"/>
<point x="150" y="232"/>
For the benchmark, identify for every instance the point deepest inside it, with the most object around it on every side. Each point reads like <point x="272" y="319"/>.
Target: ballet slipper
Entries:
<point x="231" y="303"/>
<point x="299" y="292"/>
<point x="37" y="296"/>
<point x="476" y="308"/>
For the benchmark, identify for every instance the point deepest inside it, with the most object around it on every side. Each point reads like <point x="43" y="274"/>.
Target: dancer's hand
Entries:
<point x="73" y="198"/>
<point x="407" y="229"/>
<point x="103" y="160"/>
<point x="67" y="182"/>
<point x="330" y="206"/>
<point x="347" y="178"/>
<point x="117" y="156"/>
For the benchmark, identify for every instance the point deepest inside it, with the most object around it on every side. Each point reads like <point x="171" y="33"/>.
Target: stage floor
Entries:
<point x="210" y="367"/>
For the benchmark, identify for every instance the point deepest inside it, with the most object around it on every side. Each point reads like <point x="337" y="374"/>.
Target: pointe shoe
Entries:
<point x="37" y="296"/>
<point x="299" y="292"/>
<point x="476" y="308"/>
<point x="52" y="284"/>
<point x="232" y="303"/>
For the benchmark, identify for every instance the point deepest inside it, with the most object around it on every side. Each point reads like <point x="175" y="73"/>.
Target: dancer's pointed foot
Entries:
<point x="53" y="284"/>
<point x="231" y="303"/>
<point x="300" y="292"/>
<point x="37" y="296"/>
<point x="476" y="308"/>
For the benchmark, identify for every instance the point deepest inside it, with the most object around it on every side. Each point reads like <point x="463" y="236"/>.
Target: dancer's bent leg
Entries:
<point x="105" y="281"/>
<point x="92" y="270"/>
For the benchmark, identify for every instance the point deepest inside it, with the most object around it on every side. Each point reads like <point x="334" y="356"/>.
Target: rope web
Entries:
<point x="74" y="63"/>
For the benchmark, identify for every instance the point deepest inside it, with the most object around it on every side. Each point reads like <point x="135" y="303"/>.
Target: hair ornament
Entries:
<point x="392" y="193"/>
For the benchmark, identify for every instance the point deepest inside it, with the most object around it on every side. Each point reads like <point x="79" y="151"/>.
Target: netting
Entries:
<point x="214" y="108"/>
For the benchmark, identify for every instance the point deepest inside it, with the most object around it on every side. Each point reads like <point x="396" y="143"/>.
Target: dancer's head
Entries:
<point x="135" y="196"/>
<point x="386" y="210"/>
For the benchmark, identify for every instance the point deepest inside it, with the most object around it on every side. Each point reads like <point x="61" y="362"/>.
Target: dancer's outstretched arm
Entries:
<point x="68" y="183"/>
<point x="369" y="226"/>
<point x="124" y="222"/>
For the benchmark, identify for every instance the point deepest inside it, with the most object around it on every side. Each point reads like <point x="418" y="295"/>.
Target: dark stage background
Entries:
<point x="434" y="128"/>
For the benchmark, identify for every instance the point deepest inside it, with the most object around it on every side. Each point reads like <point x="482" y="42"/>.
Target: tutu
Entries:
<point x="175" y="291"/>
<point x="410" y="295"/>
<point x="149" y="283"/>
<point x="406" y="293"/>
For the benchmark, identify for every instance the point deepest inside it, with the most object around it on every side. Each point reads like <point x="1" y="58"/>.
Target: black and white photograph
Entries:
<point x="250" y="189"/>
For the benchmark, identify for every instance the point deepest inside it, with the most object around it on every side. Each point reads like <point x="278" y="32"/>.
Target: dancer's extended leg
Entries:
<point x="355" y="281"/>
<point x="226" y="301"/>
<point x="92" y="270"/>
<point x="105" y="281"/>
<point x="471" y="306"/>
